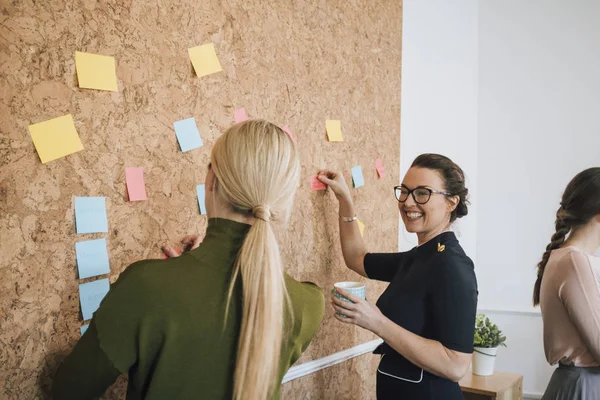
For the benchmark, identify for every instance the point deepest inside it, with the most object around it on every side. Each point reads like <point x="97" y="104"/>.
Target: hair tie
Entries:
<point x="262" y="212"/>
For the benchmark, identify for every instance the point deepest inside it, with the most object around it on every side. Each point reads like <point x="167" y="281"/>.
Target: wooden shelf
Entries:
<point x="500" y="386"/>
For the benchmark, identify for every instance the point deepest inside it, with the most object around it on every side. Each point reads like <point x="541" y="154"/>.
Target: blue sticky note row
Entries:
<point x="90" y="296"/>
<point x="357" y="176"/>
<point x="188" y="135"/>
<point x="84" y="328"/>
<point x="90" y="214"/>
<point x="201" y="191"/>
<point x="92" y="258"/>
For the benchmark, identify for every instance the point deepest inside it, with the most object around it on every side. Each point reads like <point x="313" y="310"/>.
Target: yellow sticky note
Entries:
<point x="334" y="130"/>
<point x="361" y="227"/>
<point x="55" y="138"/>
<point x="204" y="59"/>
<point x="95" y="71"/>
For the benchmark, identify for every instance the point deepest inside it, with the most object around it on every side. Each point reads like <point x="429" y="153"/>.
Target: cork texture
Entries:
<point x="290" y="62"/>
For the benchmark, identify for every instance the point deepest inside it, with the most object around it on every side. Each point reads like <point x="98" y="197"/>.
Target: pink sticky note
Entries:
<point x="316" y="184"/>
<point x="286" y="129"/>
<point x="240" y="115"/>
<point x="380" y="168"/>
<point x="135" y="184"/>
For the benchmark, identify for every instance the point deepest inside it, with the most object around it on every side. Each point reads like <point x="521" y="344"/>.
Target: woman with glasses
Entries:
<point x="426" y="316"/>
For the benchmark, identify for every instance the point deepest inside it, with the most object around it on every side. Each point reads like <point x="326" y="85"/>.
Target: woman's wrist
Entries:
<point x="347" y="207"/>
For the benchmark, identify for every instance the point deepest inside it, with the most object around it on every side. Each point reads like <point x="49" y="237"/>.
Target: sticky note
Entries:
<point x="188" y="134"/>
<point x="380" y="168"/>
<point x="240" y="115"/>
<point x="95" y="71"/>
<point x="201" y="191"/>
<point x="55" y="138"/>
<point x="204" y="59"/>
<point x="361" y="227"/>
<point x="316" y="184"/>
<point x="136" y="189"/>
<point x="90" y="296"/>
<point x="90" y="214"/>
<point x="84" y="328"/>
<point x="286" y="129"/>
<point x="357" y="176"/>
<point x="92" y="258"/>
<point x="334" y="130"/>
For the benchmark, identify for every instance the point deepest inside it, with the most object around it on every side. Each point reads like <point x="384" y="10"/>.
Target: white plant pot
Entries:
<point x="484" y="360"/>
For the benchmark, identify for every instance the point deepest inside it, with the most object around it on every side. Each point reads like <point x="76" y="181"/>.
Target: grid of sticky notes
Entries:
<point x="91" y="255"/>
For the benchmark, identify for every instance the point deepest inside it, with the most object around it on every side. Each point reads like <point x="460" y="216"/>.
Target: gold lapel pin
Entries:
<point x="441" y="247"/>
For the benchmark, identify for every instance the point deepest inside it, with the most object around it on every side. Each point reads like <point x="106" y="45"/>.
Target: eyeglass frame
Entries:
<point x="411" y="192"/>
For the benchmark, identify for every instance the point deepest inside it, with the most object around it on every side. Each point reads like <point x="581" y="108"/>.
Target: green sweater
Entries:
<point x="162" y="323"/>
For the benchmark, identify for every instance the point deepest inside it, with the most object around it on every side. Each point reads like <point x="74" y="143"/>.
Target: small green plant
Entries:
<point x="487" y="334"/>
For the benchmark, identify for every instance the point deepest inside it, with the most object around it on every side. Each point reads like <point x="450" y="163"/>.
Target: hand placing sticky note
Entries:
<point x="95" y="71"/>
<point x="204" y="59"/>
<point x="90" y="296"/>
<point x="92" y="258"/>
<point x="84" y="328"/>
<point x="55" y="138"/>
<point x="361" y="227"/>
<point x="201" y="192"/>
<point x="188" y="135"/>
<point x="357" y="176"/>
<point x="90" y="214"/>
<point x="136" y="189"/>
<point x="380" y="168"/>
<point x="334" y="130"/>
<point x="287" y="130"/>
<point x="316" y="184"/>
<point x="240" y="115"/>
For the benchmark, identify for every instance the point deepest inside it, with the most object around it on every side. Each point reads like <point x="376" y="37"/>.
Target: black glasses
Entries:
<point x="420" y="194"/>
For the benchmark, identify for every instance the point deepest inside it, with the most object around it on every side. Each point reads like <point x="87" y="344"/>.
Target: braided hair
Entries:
<point x="580" y="203"/>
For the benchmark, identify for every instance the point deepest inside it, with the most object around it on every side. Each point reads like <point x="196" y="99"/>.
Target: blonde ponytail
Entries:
<point x="257" y="168"/>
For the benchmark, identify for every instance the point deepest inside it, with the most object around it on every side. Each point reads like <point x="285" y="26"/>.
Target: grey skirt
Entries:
<point x="574" y="383"/>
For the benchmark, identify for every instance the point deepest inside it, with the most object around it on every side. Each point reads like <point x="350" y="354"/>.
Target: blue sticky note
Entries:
<point x="83" y="329"/>
<point x="188" y="134"/>
<point x="90" y="214"/>
<point x="357" y="176"/>
<point x="92" y="258"/>
<point x="201" y="191"/>
<point x="90" y="296"/>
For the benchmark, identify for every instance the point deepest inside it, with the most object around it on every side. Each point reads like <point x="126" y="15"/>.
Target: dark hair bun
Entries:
<point x="453" y="177"/>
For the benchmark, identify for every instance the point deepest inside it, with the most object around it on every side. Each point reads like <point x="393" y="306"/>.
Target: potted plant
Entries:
<point x="488" y="337"/>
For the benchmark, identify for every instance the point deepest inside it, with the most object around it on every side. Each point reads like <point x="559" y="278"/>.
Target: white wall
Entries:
<point x="439" y="95"/>
<point x="511" y="91"/>
<point x="539" y="124"/>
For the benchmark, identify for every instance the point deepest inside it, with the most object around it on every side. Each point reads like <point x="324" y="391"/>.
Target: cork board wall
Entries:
<point x="290" y="62"/>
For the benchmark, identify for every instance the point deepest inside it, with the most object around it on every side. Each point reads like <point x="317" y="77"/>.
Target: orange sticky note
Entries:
<point x="55" y="138"/>
<point x="286" y="129"/>
<point x="361" y="227"/>
<point x="316" y="184"/>
<point x="204" y="59"/>
<point x="240" y="115"/>
<point x="135" y="184"/>
<point x="334" y="130"/>
<point x="95" y="71"/>
<point x="380" y="168"/>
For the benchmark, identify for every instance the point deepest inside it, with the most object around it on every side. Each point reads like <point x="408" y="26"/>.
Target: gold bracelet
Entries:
<point x="348" y="219"/>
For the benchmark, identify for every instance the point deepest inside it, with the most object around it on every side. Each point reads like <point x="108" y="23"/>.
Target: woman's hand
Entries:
<point x="360" y="312"/>
<point x="337" y="183"/>
<point x="190" y="242"/>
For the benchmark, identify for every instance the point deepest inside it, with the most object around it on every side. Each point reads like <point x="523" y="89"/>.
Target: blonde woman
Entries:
<point x="223" y="320"/>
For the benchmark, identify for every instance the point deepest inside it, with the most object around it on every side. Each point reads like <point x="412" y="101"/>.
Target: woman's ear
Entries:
<point x="453" y="203"/>
<point x="211" y="180"/>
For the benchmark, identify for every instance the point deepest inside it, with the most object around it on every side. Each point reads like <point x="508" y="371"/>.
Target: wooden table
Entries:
<point x="500" y="386"/>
